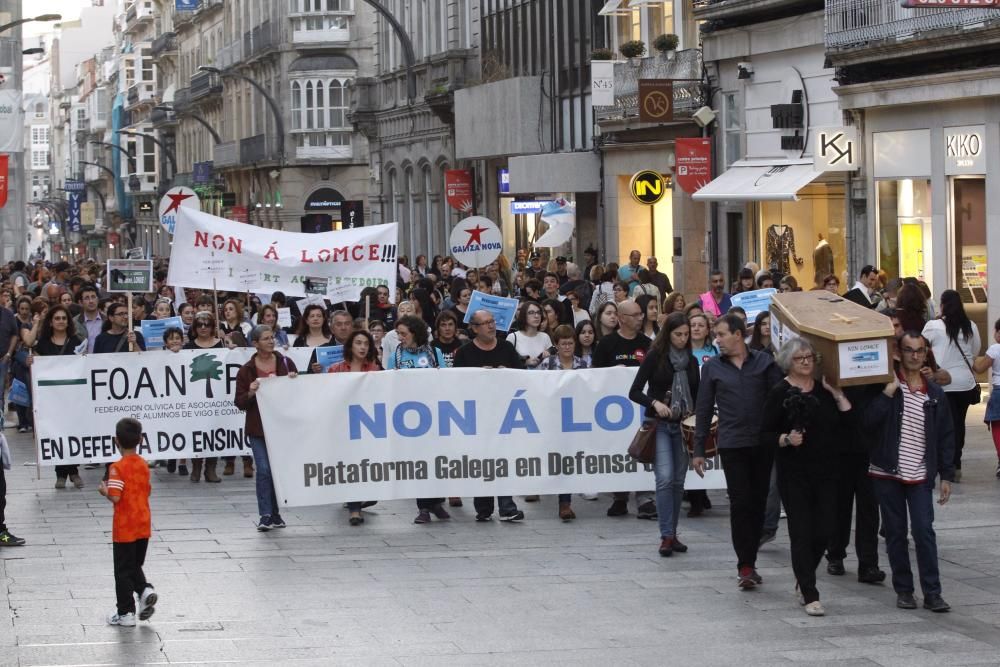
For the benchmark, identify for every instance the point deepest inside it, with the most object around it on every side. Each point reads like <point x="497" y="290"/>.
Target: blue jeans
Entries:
<point x="267" y="501"/>
<point x="894" y="499"/>
<point x="670" y="470"/>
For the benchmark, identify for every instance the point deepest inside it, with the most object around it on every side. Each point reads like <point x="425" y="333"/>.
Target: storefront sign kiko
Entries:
<point x="963" y="150"/>
<point x="647" y="187"/>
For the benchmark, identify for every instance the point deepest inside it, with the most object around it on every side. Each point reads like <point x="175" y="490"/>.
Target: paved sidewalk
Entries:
<point x="461" y="593"/>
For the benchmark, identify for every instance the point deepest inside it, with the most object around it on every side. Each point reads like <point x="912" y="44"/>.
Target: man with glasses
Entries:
<point x="916" y="444"/>
<point x="485" y="350"/>
<point x="117" y="337"/>
<point x="738" y="381"/>
<point x="626" y="347"/>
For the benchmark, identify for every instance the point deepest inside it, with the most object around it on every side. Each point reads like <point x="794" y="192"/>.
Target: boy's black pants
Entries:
<point x="129" y="579"/>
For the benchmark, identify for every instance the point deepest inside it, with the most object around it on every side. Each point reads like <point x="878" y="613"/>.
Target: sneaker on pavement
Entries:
<point x="667" y="547"/>
<point x="566" y="512"/>
<point x="124" y="620"/>
<point x="147" y="603"/>
<point x="423" y="517"/>
<point x="484" y="516"/>
<point x="870" y="575"/>
<point x="757" y="579"/>
<point x="647" y="510"/>
<point x="516" y="515"/>
<point x="745" y="578"/>
<point x="594" y="496"/>
<point x="679" y="546"/>
<point x="277" y="521"/>
<point x="618" y="508"/>
<point x="936" y="604"/>
<point x="440" y="512"/>
<point x="265" y="524"/>
<point x="906" y="601"/>
<point x="8" y="539"/>
<point x="815" y="609"/>
<point x="836" y="568"/>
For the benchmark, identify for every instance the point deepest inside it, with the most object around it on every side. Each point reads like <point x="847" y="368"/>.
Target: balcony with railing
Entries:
<point x="261" y="39"/>
<point x="206" y="6"/>
<point x="227" y="154"/>
<point x="229" y="55"/>
<point x="164" y="45"/>
<point x="138" y="13"/>
<point x="254" y="149"/>
<point x="140" y="93"/>
<point x="162" y="118"/>
<point x="884" y="28"/>
<point x="204" y="85"/>
<point x="684" y="69"/>
<point x="321" y="28"/>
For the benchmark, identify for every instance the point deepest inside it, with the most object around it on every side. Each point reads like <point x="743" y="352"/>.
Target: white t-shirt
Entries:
<point x="530" y="346"/>
<point x="953" y="358"/>
<point x="580" y="316"/>
<point x="993" y="352"/>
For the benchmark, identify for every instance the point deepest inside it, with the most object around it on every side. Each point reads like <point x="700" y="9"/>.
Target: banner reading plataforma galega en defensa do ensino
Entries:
<point x="184" y="401"/>
<point x="454" y="432"/>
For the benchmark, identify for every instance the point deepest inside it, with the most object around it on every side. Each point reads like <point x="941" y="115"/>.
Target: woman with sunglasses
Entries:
<point x="57" y="337"/>
<point x="203" y="336"/>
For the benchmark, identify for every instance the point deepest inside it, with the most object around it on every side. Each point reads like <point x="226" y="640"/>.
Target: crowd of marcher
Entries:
<point x="786" y="435"/>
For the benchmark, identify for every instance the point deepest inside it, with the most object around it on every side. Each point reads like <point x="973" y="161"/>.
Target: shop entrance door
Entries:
<point x="904" y="226"/>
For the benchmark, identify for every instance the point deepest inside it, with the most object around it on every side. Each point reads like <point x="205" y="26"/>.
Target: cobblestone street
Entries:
<point x="394" y="593"/>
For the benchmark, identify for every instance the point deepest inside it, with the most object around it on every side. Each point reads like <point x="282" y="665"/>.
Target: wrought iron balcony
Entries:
<point x="139" y="93"/>
<point x="227" y="154"/>
<point x="261" y="39"/>
<point x="744" y="11"/>
<point x="204" y="85"/>
<point x="685" y="70"/>
<point x="254" y="149"/>
<point x="229" y="55"/>
<point x="164" y="45"/>
<point x="884" y="25"/>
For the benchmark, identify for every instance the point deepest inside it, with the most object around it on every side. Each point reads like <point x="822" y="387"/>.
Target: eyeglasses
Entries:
<point x="915" y="352"/>
<point x="487" y="323"/>
<point x="533" y="312"/>
<point x="206" y="325"/>
<point x="807" y="359"/>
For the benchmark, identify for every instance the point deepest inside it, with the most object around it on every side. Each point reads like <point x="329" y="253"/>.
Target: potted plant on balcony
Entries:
<point x="602" y="54"/>
<point x="633" y="50"/>
<point x="666" y="45"/>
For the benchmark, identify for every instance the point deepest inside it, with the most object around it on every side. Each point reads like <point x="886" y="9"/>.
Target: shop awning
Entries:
<point x="753" y="180"/>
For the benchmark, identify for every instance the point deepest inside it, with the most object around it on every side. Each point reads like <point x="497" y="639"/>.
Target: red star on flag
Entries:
<point x="175" y="201"/>
<point x="476" y="235"/>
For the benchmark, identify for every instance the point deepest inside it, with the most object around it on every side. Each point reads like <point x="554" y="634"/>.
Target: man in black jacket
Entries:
<point x="863" y="292"/>
<point x="916" y="443"/>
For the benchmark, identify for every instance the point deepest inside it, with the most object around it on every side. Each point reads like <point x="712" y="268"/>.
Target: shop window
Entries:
<point x="733" y="128"/>
<point x="806" y="238"/>
<point x="969" y="210"/>
<point x="903" y="217"/>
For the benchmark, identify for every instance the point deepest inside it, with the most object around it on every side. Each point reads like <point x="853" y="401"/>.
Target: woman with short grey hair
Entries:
<point x="807" y="420"/>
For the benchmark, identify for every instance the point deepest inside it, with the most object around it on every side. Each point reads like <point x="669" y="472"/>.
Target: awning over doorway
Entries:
<point x="754" y="180"/>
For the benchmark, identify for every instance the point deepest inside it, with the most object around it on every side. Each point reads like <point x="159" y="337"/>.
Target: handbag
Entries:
<point x="643" y="447"/>
<point x="19" y="394"/>
<point x="976" y="393"/>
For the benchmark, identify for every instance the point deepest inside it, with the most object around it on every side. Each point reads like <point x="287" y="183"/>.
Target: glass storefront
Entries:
<point x="903" y="216"/>
<point x="648" y="229"/>
<point x="969" y="229"/>
<point x="806" y="238"/>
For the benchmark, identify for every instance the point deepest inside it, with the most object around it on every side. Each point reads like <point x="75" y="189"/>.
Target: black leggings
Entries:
<point x="958" y="401"/>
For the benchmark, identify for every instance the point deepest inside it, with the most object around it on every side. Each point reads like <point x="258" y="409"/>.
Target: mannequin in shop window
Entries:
<point x="780" y="247"/>
<point x="822" y="261"/>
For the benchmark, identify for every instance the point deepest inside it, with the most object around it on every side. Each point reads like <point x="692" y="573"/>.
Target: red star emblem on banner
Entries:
<point x="175" y="201"/>
<point x="476" y="234"/>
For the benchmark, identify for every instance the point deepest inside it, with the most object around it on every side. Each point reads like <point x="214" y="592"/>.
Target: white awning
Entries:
<point x="748" y="180"/>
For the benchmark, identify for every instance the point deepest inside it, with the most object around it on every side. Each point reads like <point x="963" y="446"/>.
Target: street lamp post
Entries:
<point x="128" y="156"/>
<point x="279" y="123"/>
<point x="404" y="40"/>
<point x="169" y="153"/>
<point x="41" y="17"/>
<point x="192" y="116"/>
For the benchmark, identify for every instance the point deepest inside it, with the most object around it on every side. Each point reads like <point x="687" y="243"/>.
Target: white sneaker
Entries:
<point x="815" y="609"/>
<point x="124" y="620"/>
<point x="594" y="496"/>
<point x="147" y="603"/>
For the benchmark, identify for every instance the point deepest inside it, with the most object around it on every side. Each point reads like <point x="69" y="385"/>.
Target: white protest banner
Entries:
<point x="184" y="401"/>
<point x="380" y="436"/>
<point x="240" y="257"/>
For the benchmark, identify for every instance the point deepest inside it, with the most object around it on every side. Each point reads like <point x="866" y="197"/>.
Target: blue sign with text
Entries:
<point x="187" y="5"/>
